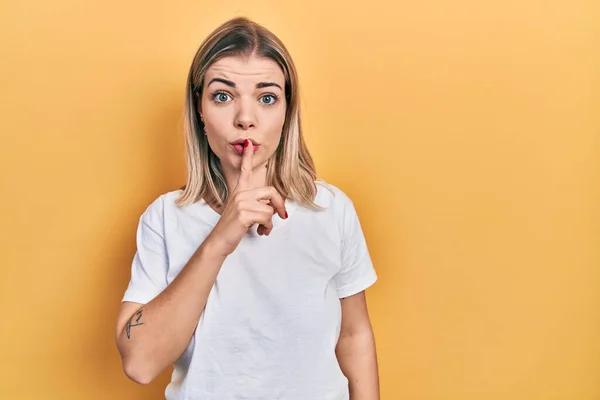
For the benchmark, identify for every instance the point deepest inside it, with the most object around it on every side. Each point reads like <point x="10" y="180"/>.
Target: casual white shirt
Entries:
<point x="273" y="316"/>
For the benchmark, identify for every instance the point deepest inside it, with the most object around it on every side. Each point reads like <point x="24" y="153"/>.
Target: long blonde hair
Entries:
<point x="291" y="169"/>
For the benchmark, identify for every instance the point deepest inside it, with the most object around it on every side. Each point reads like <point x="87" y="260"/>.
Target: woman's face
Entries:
<point x="243" y="98"/>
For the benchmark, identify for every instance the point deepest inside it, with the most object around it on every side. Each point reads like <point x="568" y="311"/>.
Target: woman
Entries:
<point x="251" y="278"/>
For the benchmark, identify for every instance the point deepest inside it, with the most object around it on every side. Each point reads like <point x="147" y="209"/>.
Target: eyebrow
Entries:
<point x="261" y="85"/>
<point x="229" y="83"/>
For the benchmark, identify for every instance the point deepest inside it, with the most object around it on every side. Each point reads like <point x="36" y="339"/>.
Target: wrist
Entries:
<point x="212" y="249"/>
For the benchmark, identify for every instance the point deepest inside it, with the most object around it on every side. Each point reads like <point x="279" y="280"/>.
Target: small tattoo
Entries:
<point x="130" y="323"/>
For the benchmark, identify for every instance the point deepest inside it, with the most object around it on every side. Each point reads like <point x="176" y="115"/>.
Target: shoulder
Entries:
<point x="160" y="205"/>
<point x="330" y="195"/>
<point x="340" y="209"/>
<point x="334" y="201"/>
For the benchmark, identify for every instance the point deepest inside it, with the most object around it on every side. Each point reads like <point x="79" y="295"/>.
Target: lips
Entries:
<point x="238" y="145"/>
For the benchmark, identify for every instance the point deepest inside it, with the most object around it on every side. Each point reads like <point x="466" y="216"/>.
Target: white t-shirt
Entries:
<point x="272" y="319"/>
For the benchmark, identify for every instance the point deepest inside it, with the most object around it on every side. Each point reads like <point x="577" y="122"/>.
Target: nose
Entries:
<point x="245" y="117"/>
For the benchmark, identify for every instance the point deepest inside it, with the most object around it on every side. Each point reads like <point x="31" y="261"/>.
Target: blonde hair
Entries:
<point x="291" y="169"/>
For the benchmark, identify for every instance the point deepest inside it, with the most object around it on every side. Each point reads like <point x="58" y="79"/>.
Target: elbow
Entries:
<point x="137" y="371"/>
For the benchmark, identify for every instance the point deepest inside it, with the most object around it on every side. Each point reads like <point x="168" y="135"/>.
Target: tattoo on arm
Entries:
<point x="131" y="322"/>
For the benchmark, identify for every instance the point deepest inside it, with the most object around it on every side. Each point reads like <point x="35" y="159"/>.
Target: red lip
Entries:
<point x="238" y="145"/>
<point x="241" y="141"/>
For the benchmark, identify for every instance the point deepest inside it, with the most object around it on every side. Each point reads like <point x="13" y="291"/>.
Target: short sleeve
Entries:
<point x="357" y="272"/>
<point x="150" y="262"/>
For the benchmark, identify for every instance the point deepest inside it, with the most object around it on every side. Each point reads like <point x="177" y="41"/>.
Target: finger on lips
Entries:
<point x="245" y="179"/>
<point x="266" y="195"/>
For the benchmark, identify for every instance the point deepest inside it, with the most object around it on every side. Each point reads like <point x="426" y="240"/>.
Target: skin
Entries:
<point x="243" y="99"/>
<point x="247" y="111"/>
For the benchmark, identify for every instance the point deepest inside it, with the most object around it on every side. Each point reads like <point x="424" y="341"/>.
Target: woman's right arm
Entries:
<point x="151" y="337"/>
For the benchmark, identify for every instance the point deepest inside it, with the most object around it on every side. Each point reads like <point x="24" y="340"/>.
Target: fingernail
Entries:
<point x="246" y="143"/>
<point x="286" y="214"/>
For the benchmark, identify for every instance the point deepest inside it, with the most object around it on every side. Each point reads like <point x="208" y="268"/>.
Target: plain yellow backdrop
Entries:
<point x="467" y="133"/>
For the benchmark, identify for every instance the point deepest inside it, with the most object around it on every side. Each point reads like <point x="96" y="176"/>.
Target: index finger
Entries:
<point x="245" y="178"/>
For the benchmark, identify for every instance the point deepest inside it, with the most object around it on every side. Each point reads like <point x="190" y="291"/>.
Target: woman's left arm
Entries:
<point x="356" y="349"/>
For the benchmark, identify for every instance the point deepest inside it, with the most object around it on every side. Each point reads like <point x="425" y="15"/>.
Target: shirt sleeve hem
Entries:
<point x="357" y="287"/>
<point x="137" y="298"/>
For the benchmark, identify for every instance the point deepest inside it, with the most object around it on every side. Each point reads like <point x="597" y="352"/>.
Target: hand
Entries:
<point x="246" y="206"/>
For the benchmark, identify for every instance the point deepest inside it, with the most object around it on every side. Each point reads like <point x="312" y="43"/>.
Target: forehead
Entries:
<point x="250" y="70"/>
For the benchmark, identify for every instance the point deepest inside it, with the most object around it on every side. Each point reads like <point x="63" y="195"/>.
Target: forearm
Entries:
<point x="158" y="333"/>
<point x="358" y="361"/>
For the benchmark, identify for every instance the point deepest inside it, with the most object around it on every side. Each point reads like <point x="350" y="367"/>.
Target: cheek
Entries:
<point x="215" y="133"/>
<point x="275" y="126"/>
<point x="215" y="124"/>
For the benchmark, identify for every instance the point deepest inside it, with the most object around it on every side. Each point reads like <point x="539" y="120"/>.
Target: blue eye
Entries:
<point x="268" y="99"/>
<point x="221" y="97"/>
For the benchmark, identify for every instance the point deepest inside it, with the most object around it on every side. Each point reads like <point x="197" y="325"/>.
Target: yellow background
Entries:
<point x="467" y="133"/>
